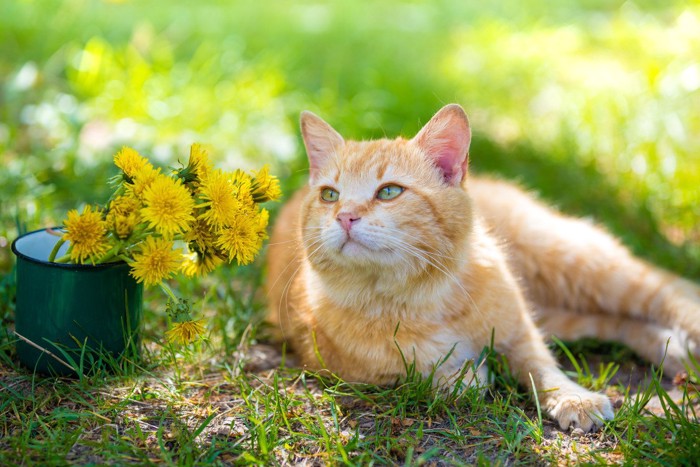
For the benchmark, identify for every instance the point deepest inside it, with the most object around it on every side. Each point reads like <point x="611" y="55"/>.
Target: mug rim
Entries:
<point x="25" y="257"/>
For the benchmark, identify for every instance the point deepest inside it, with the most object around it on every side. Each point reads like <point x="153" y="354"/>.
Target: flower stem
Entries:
<point x="62" y="259"/>
<point x="56" y="247"/>
<point x="166" y="288"/>
<point x="111" y="254"/>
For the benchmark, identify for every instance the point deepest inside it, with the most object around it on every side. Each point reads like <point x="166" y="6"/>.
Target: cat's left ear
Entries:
<point x="445" y="140"/>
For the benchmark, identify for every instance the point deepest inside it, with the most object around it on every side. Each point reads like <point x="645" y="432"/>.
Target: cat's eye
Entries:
<point x="329" y="195"/>
<point x="389" y="192"/>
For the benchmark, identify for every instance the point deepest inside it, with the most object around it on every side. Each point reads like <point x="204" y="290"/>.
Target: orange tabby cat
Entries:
<point x="392" y="254"/>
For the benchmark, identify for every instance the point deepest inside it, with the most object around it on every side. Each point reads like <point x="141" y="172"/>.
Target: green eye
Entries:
<point x="329" y="195"/>
<point x="389" y="192"/>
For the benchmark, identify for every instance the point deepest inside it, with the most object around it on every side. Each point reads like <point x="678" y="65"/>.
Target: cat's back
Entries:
<point x="550" y="252"/>
<point x="519" y="219"/>
<point x="499" y="202"/>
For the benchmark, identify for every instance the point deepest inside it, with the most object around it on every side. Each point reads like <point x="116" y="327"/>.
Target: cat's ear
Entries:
<point x="320" y="139"/>
<point x="445" y="140"/>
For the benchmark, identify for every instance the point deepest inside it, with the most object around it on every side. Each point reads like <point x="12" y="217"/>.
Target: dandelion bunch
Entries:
<point x="190" y="220"/>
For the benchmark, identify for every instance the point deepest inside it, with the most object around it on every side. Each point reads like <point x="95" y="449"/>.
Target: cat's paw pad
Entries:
<point x="579" y="409"/>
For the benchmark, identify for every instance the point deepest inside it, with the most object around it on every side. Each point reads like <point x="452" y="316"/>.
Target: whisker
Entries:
<point x="284" y="296"/>
<point x="412" y="253"/>
<point x="418" y="239"/>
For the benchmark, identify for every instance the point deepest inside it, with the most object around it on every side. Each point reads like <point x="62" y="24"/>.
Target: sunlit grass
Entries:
<point x="616" y="88"/>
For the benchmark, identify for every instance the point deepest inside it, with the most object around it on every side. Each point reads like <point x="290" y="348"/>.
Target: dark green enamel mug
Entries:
<point x="73" y="318"/>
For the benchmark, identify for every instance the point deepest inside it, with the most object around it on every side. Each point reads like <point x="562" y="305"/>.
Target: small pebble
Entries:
<point x="577" y="432"/>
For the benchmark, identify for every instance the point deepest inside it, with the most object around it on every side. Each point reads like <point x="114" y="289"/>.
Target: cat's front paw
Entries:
<point x="578" y="408"/>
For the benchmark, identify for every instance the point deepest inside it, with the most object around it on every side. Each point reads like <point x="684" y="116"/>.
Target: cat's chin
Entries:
<point x="355" y="251"/>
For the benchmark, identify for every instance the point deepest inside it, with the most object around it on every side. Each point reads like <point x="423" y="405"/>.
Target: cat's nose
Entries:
<point x="346" y="220"/>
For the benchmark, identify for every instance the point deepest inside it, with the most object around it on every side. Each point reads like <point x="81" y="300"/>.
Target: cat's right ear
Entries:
<point x="321" y="141"/>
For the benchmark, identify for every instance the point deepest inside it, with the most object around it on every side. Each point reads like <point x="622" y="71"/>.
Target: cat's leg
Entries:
<point x="571" y="264"/>
<point x="649" y="340"/>
<point x="470" y="373"/>
<point x="570" y="404"/>
<point x="594" y="275"/>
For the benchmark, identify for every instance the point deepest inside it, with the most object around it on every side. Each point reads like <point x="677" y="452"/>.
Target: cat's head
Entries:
<point x="387" y="203"/>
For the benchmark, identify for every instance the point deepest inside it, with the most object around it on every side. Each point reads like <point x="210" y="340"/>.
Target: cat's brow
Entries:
<point x="381" y="169"/>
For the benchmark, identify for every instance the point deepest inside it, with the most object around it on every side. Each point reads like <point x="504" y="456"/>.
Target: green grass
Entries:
<point x="592" y="104"/>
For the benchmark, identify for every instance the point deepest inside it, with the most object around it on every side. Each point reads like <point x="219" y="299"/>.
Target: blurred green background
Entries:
<point x="594" y="104"/>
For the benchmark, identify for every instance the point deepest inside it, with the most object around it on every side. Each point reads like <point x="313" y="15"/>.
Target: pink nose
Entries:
<point x="346" y="220"/>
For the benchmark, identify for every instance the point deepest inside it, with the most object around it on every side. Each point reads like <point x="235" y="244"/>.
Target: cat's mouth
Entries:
<point x="357" y="245"/>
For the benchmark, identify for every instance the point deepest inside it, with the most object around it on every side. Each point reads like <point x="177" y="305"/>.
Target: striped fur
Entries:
<point x="433" y="274"/>
<point x="584" y="283"/>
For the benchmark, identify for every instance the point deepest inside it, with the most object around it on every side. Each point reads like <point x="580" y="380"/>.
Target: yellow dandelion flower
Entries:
<point x="168" y="206"/>
<point x="156" y="261"/>
<point x="199" y="161"/>
<point x="262" y="219"/>
<point x="240" y="241"/>
<point x="185" y="332"/>
<point x="87" y="234"/>
<point x="198" y="167"/>
<point x="123" y="216"/>
<point x="200" y="235"/>
<point x="200" y="264"/>
<point x="124" y="205"/>
<point x="130" y="162"/>
<point x="141" y="181"/>
<point x="219" y="196"/>
<point x="243" y="184"/>
<point x="123" y="225"/>
<point x="265" y="187"/>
